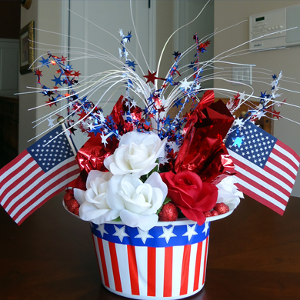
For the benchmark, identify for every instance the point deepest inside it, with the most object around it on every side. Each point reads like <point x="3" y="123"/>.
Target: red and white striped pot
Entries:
<point x="166" y="262"/>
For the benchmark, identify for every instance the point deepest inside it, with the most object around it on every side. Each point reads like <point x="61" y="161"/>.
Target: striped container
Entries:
<point x="166" y="262"/>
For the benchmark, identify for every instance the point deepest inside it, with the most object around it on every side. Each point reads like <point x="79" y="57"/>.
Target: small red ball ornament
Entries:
<point x="168" y="212"/>
<point x="214" y="213"/>
<point x="68" y="195"/>
<point x="207" y="214"/>
<point x="221" y="208"/>
<point x="73" y="206"/>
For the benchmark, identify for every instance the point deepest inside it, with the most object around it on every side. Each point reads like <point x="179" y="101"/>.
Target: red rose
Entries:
<point x="190" y="194"/>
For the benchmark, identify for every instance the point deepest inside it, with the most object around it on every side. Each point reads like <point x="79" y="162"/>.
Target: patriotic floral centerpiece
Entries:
<point x="139" y="164"/>
<point x="168" y="151"/>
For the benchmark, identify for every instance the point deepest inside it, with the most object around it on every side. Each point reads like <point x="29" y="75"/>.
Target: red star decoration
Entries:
<point x="76" y="74"/>
<point x="151" y="77"/>
<point x="82" y="115"/>
<point x="236" y="99"/>
<point x="38" y="72"/>
<point x="63" y="59"/>
<point x="162" y="109"/>
<point x="50" y="103"/>
<point x="68" y="73"/>
<point x="276" y="114"/>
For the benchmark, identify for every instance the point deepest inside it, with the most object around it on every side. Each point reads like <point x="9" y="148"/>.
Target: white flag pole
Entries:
<point x="61" y="121"/>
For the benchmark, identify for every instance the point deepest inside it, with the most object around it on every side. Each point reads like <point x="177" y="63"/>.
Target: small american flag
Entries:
<point x="166" y="261"/>
<point x="36" y="175"/>
<point x="266" y="168"/>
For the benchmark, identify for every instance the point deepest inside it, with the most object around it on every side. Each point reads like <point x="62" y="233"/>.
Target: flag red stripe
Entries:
<point x="12" y="177"/>
<point x="262" y="178"/>
<point x="103" y="263"/>
<point x="205" y="261"/>
<point x="151" y="279"/>
<point x="281" y="167"/>
<point x="23" y="186"/>
<point x="45" y="183"/>
<point x="168" y="270"/>
<point x="10" y="208"/>
<point x="260" y="199"/>
<point x="133" y="272"/>
<point x="50" y="196"/>
<point x="260" y="186"/>
<point x="291" y="151"/>
<point x="185" y="269"/>
<point x="13" y="162"/>
<point x="197" y="266"/>
<point x="280" y="177"/>
<point x="47" y="187"/>
<point x="115" y="266"/>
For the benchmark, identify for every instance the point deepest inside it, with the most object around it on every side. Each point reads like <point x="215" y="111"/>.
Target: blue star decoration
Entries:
<point x="45" y="62"/>
<point x="57" y="80"/>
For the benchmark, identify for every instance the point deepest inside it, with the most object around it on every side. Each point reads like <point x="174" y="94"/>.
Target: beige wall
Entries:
<point x="164" y="28"/>
<point x="47" y="15"/>
<point x="286" y="60"/>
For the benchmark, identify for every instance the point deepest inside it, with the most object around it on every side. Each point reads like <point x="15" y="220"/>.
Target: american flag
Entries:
<point x="36" y="175"/>
<point x="266" y="168"/>
<point x="166" y="261"/>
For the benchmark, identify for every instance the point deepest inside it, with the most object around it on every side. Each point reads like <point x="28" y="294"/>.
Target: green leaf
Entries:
<point x="117" y="219"/>
<point x="143" y="178"/>
<point x="167" y="200"/>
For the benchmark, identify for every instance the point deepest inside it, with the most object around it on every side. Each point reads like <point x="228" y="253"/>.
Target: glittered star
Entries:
<point x="185" y="85"/>
<point x="127" y="37"/>
<point x="45" y="62"/>
<point x="38" y="72"/>
<point x="57" y="80"/>
<point x="239" y="122"/>
<point x="50" y="122"/>
<point x="103" y="139"/>
<point x="143" y="235"/>
<point x="276" y="114"/>
<point x="206" y="228"/>
<point x="260" y="114"/>
<point x="131" y="64"/>
<point x="176" y="54"/>
<point x="120" y="233"/>
<point x="190" y="231"/>
<point x="237" y="141"/>
<point x="242" y="96"/>
<point x="150" y="77"/>
<point x="168" y="233"/>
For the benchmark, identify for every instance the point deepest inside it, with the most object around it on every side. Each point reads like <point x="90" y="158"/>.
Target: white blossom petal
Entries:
<point x="141" y="221"/>
<point x="79" y="195"/>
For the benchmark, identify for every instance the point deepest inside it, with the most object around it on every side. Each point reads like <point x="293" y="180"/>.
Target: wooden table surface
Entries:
<point x="253" y="254"/>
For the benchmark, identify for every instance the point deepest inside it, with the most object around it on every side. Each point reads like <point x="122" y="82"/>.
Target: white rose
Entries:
<point x="136" y="154"/>
<point x="93" y="203"/>
<point x="137" y="202"/>
<point x="228" y="192"/>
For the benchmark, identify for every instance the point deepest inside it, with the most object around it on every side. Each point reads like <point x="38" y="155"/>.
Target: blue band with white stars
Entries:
<point x="158" y="236"/>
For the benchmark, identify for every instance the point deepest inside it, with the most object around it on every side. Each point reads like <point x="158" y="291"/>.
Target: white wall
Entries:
<point x="286" y="60"/>
<point x="47" y="15"/>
